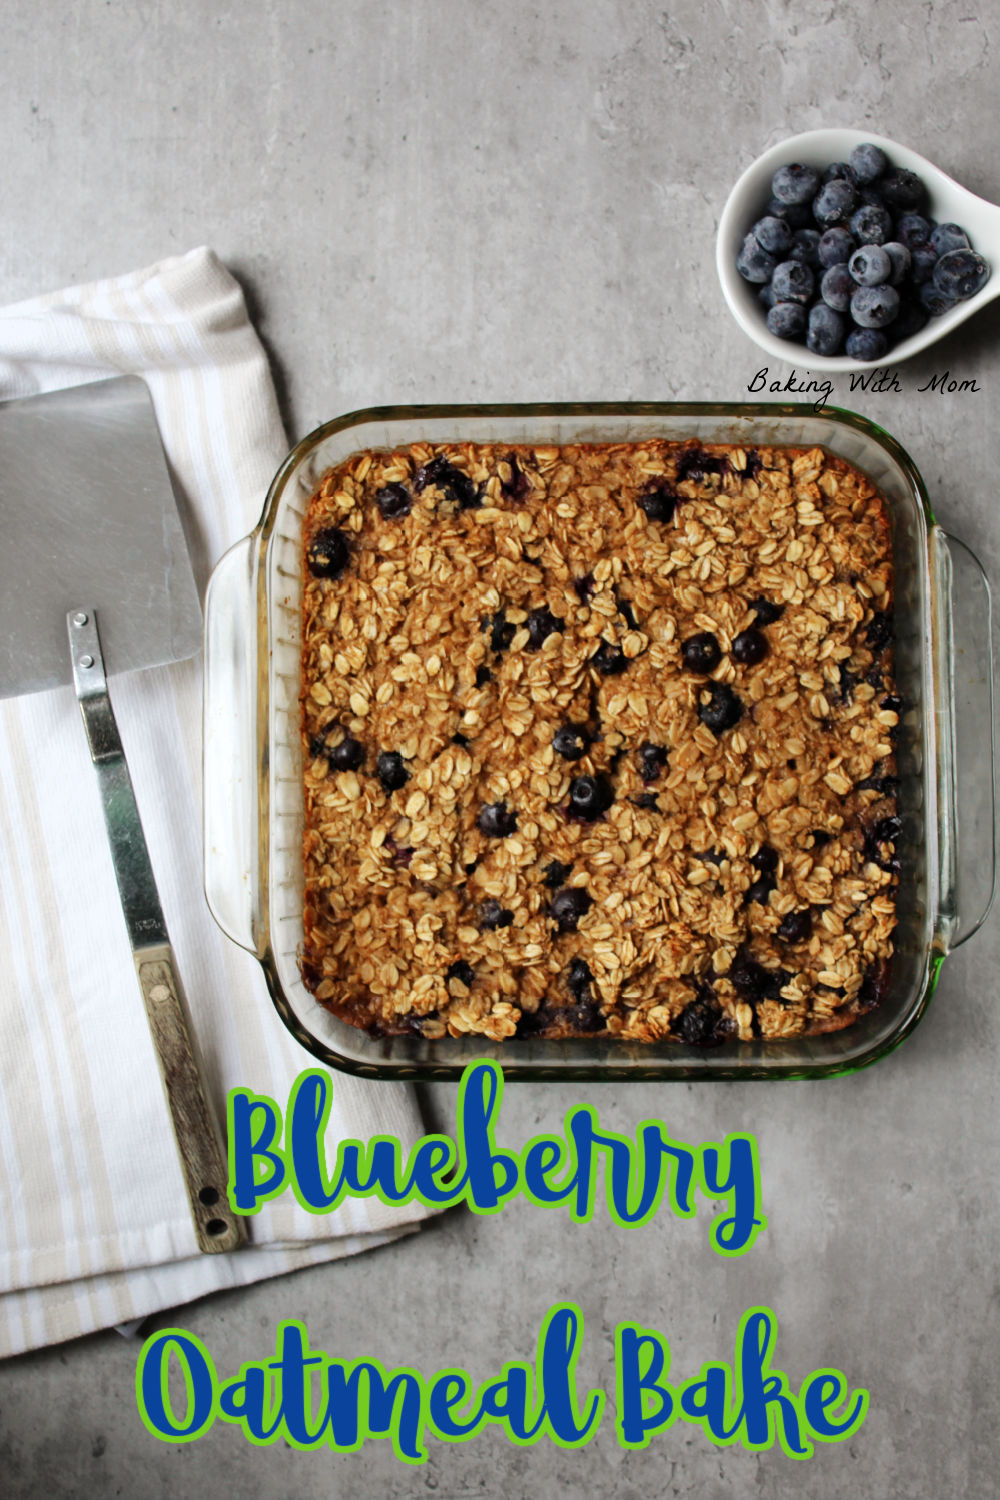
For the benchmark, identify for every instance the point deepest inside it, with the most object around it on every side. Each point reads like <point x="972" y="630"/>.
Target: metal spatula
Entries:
<point x="90" y="530"/>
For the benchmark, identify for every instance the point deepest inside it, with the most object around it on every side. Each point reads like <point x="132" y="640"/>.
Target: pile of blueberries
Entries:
<point x="846" y="260"/>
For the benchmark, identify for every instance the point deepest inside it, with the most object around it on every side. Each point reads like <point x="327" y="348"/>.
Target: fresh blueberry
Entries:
<point x="835" y="246"/>
<point x="835" y="203"/>
<point x="871" y="225"/>
<point x="933" y="300"/>
<point x="328" y="553"/>
<point x="910" y="319"/>
<point x="874" y="306"/>
<point x="945" y="237"/>
<point x="701" y="653"/>
<point x="569" y="905"/>
<point x="493" y="916"/>
<point x="750" y="646"/>
<point x="590" y="797"/>
<point x="753" y="263"/>
<point x="902" y="190"/>
<point x="391" y="771"/>
<point x="461" y="971"/>
<point x="793" y="282"/>
<point x="394" y="502"/>
<point x="609" y="660"/>
<point x="805" y="247"/>
<point x="837" y="169"/>
<point x="652" y="761"/>
<point x="722" y="710"/>
<point x="496" y="821"/>
<point x="541" y="624"/>
<point x="773" y="235"/>
<point x="451" y="481"/>
<point x="579" y="979"/>
<point x="555" y="874"/>
<point x="796" y="927"/>
<point x="571" y="741"/>
<point x="913" y="230"/>
<point x="866" y="344"/>
<point x="923" y="259"/>
<point x="870" y="265"/>
<point x="787" y="320"/>
<point x="899" y="261"/>
<point x="795" y="183"/>
<point x="795" y="215"/>
<point x="766" y="611"/>
<point x="837" y="287"/>
<point x="826" y="330"/>
<point x="866" y="163"/>
<point x="658" y="503"/>
<point x="960" y="274"/>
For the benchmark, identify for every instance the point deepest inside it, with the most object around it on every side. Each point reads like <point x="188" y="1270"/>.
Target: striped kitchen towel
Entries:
<point x="94" y="1225"/>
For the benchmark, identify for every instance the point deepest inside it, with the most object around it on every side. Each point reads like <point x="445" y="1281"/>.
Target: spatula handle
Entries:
<point x="196" y="1132"/>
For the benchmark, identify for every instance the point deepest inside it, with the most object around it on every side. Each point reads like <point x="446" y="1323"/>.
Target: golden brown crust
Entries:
<point x="429" y="644"/>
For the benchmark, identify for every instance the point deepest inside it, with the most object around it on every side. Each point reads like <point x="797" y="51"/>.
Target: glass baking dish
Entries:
<point x="253" y="798"/>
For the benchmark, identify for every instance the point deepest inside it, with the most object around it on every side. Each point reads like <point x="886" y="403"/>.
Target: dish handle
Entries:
<point x="230" y="808"/>
<point x="966" y="730"/>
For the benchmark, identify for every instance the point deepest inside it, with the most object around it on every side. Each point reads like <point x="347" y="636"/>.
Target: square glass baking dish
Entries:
<point x="253" y="806"/>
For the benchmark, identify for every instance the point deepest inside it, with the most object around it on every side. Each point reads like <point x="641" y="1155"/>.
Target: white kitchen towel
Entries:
<point x="94" y="1225"/>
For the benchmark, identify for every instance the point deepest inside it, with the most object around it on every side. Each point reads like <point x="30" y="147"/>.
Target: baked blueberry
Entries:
<point x="571" y="741"/>
<point x="483" y="676"/>
<point x="493" y="916"/>
<point x="497" y="821"/>
<point x="765" y="860"/>
<point x="451" y="481"/>
<point x="698" y="1022"/>
<point x="701" y="653"/>
<point x="347" y="755"/>
<point x="391" y="770"/>
<point x="695" y="464"/>
<point x="759" y="892"/>
<point x="609" y="660"/>
<point x="652" y="761"/>
<point x="722" y="710"/>
<point x="579" y="979"/>
<point x="519" y="485"/>
<point x="750" y="647"/>
<point x="555" y="874"/>
<point x="541" y="624"/>
<point x="590" y="797"/>
<point x="569" y="905"/>
<point x="586" y="585"/>
<point x="658" y="503"/>
<point x="766" y="610"/>
<point x="394" y="501"/>
<point x="879" y="633"/>
<point x="502" y="631"/>
<point x="796" y="927"/>
<point x="461" y="971"/>
<point x="328" y="553"/>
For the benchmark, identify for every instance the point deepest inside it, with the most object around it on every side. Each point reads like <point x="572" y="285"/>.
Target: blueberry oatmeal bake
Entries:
<point x="598" y="741"/>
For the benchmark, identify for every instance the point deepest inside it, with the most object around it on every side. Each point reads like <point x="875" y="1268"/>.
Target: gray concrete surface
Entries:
<point x="450" y="200"/>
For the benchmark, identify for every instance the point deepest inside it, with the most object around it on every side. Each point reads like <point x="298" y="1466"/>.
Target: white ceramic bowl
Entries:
<point x="948" y="202"/>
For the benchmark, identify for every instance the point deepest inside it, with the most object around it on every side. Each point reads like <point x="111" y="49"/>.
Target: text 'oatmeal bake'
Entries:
<point x="599" y="740"/>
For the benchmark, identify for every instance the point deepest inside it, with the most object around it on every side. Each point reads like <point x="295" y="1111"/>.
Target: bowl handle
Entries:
<point x="965" y="722"/>
<point x="230" y="808"/>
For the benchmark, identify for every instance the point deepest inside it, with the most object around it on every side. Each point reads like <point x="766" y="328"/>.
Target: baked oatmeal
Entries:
<point x="598" y="740"/>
